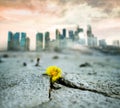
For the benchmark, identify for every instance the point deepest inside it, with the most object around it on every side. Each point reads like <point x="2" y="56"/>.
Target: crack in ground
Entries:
<point x="69" y="84"/>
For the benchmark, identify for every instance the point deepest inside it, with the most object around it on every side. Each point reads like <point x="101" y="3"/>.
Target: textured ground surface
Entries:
<point x="25" y="87"/>
<point x="21" y="87"/>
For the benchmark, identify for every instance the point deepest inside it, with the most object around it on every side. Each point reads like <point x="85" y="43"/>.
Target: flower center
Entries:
<point x="54" y="73"/>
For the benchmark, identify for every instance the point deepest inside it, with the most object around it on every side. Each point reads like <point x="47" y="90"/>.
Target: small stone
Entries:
<point x="24" y="64"/>
<point x="85" y="65"/>
<point x="5" y="55"/>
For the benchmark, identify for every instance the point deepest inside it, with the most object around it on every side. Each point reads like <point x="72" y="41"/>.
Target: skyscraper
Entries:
<point x="10" y="36"/>
<point x="79" y="29"/>
<point x="57" y="38"/>
<point x="71" y="34"/>
<point x="23" y="41"/>
<point x="27" y="44"/>
<point x="16" y="44"/>
<point x="82" y="38"/>
<point x="116" y="43"/>
<point x="47" y="39"/>
<point x="64" y="33"/>
<point x="89" y="31"/>
<point x="10" y="40"/>
<point x="102" y="43"/>
<point x="91" y="40"/>
<point x="39" y="41"/>
<point x="76" y="34"/>
<point x="57" y="34"/>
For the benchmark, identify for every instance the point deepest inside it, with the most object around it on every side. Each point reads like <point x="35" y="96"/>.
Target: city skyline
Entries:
<point x="32" y="16"/>
<point x="63" y="39"/>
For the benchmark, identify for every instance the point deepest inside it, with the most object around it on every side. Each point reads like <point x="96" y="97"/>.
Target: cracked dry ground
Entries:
<point x="25" y="87"/>
<point x="75" y="98"/>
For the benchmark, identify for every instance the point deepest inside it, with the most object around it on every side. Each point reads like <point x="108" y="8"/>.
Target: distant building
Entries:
<point x="47" y="40"/>
<point x="81" y="38"/>
<point x="102" y="43"/>
<point x="10" y="40"/>
<point x="39" y="41"/>
<point x="27" y="44"/>
<point x="91" y="40"/>
<point x="64" y="33"/>
<point x="89" y="31"/>
<point x="76" y="36"/>
<point x="10" y="36"/>
<point x="16" y="43"/>
<point x="71" y="34"/>
<point x="57" y="34"/>
<point x="62" y="39"/>
<point x="116" y="43"/>
<point x="77" y="32"/>
<point x="23" y="41"/>
<point x="79" y="29"/>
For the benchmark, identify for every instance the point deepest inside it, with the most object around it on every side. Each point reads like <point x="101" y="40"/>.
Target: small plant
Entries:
<point x="37" y="64"/>
<point x="54" y="72"/>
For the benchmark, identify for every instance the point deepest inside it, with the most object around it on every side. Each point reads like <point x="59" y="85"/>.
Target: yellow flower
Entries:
<point x="54" y="72"/>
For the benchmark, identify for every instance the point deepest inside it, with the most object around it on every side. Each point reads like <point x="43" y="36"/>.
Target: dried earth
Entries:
<point x="26" y="87"/>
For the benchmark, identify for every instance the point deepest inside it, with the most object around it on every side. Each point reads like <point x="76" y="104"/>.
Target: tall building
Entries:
<point x="102" y="43"/>
<point x="91" y="40"/>
<point x="78" y="30"/>
<point x="116" y="43"/>
<point x="71" y="34"/>
<point x="57" y="34"/>
<point x="27" y="44"/>
<point x="62" y="37"/>
<point x="23" y="41"/>
<point x="39" y="41"/>
<point x="89" y="31"/>
<point x="81" y="38"/>
<point x="64" y="33"/>
<point x="47" y="39"/>
<point x="76" y="36"/>
<point x="10" y="40"/>
<point x="16" y="43"/>
<point x="10" y="36"/>
<point x="57" y="38"/>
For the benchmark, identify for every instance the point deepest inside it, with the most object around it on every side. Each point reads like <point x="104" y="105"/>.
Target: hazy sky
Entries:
<point x="45" y="15"/>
